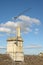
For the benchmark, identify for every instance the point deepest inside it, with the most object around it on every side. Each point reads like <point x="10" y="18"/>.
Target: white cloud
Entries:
<point x="4" y="30"/>
<point x="25" y="23"/>
<point x="36" y="31"/>
<point x="9" y="24"/>
<point x="7" y="30"/>
<point x="29" y="19"/>
<point x="34" y="46"/>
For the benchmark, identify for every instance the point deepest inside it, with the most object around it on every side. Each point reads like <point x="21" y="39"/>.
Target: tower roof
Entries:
<point x="15" y="39"/>
<point x="11" y="39"/>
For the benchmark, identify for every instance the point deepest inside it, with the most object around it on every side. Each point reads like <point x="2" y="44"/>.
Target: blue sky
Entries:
<point x="11" y="8"/>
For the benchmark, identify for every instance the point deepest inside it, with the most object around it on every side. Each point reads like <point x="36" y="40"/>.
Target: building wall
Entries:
<point x="20" y="47"/>
<point x="11" y="47"/>
<point x="19" y="54"/>
<point x="15" y="50"/>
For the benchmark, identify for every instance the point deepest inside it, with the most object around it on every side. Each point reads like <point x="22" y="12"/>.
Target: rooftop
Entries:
<point x="15" y="39"/>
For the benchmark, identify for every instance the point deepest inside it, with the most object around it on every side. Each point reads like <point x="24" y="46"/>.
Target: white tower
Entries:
<point x="20" y="55"/>
<point x="15" y="46"/>
<point x="18" y="31"/>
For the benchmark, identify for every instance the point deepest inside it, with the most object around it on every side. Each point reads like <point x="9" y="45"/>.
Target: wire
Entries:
<point x="22" y="13"/>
